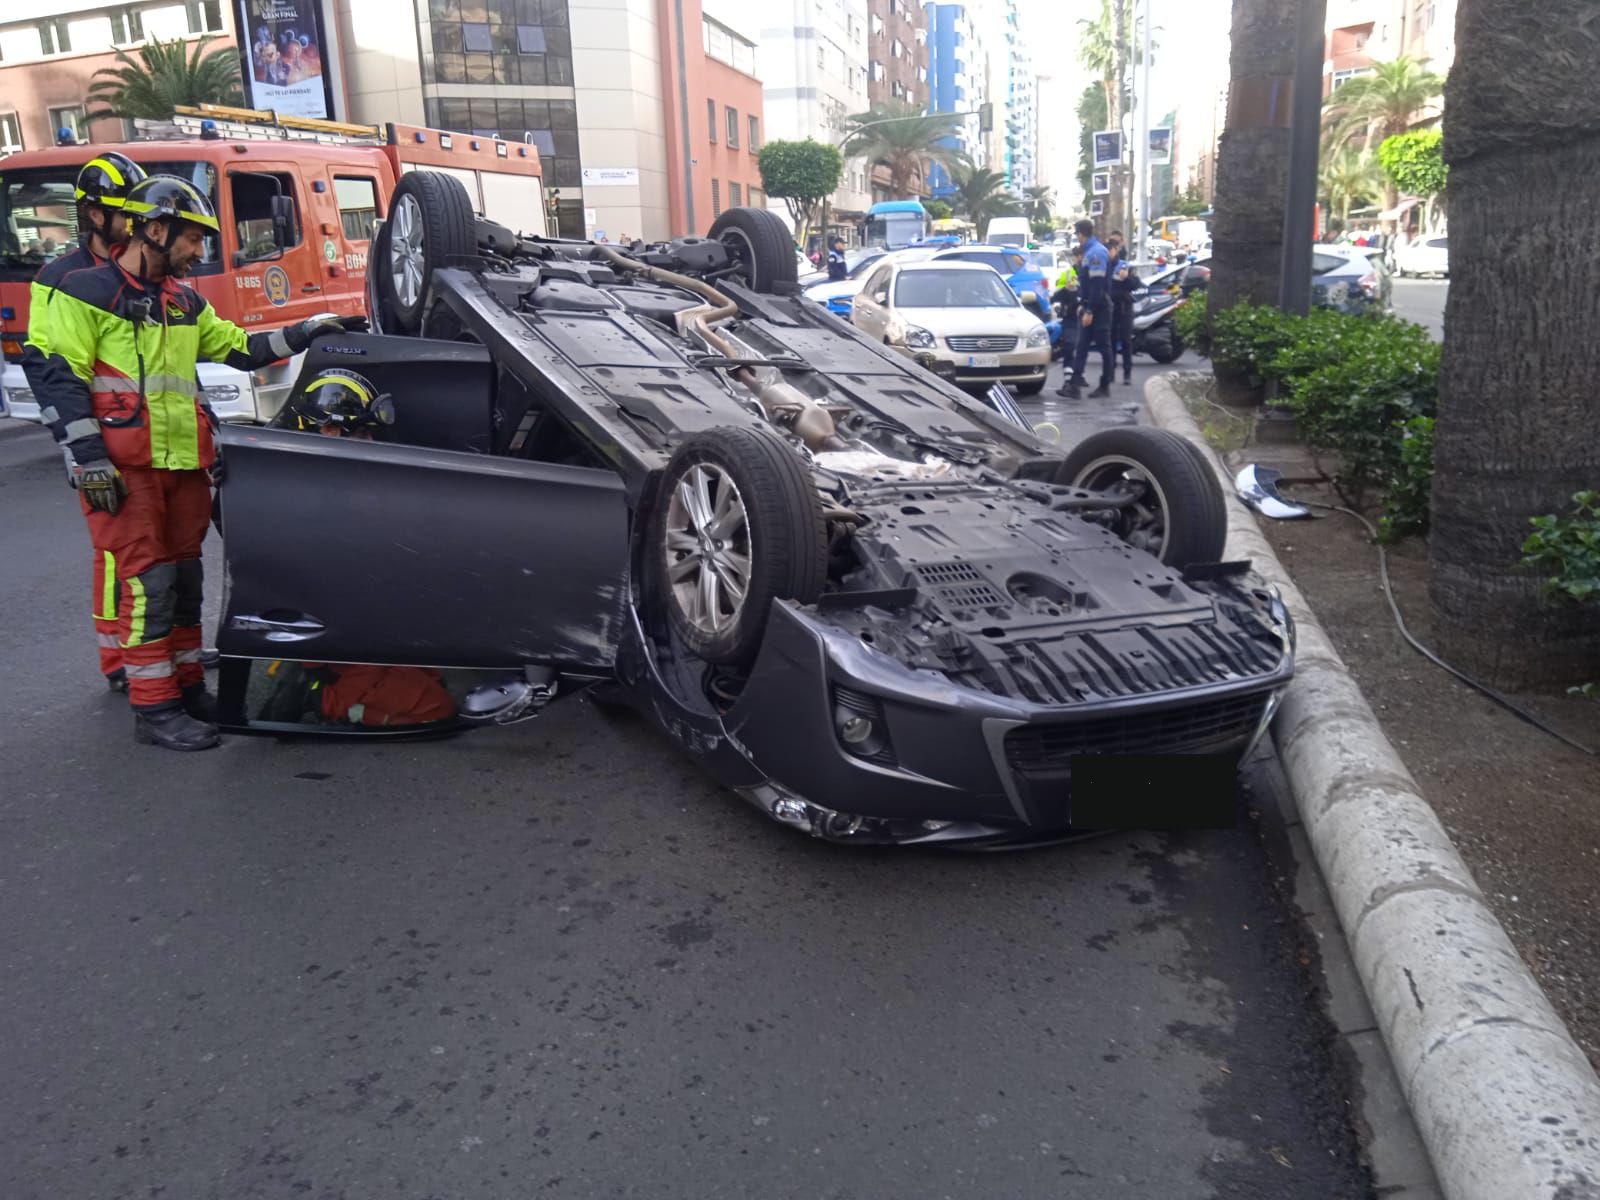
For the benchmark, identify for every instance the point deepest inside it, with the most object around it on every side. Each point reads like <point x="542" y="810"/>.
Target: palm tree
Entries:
<point x="1037" y="200"/>
<point x="901" y="136"/>
<point x="1097" y="51"/>
<point x="980" y="195"/>
<point x="1349" y="174"/>
<point x="164" y="77"/>
<point x="1382" y="103"/>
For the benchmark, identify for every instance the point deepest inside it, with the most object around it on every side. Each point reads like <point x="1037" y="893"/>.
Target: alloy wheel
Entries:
<point x="405" y="250"/>
<point x="708" y="548"/>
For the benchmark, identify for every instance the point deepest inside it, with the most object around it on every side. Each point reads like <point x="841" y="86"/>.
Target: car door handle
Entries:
<point x="285" y="628"/>
<point x="310" y="287"/>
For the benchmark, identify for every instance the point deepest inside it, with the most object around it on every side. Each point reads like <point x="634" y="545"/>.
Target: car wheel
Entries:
<point x="737" y="526"/>
<point x="430" y="222"/>
<point x="1178" y="513"/>
<point x="1031" y="389"/>
<point x="759" y="242"/>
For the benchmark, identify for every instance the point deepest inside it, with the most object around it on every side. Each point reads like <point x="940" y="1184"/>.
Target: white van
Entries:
<point x="1009" y="231"/>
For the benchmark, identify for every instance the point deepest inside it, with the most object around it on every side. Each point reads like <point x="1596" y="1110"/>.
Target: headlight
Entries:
<point x="919" y="338"/>
<point x="20" y="395"/>
<point x="1039" y="337"/>
<point x="221" y="393"/>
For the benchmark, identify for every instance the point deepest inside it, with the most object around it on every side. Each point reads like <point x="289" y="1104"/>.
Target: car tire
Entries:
<point x="761" y="243"/>
<point x="1031" y="389"/>
<point x="1182" y="518"/>
<point x="430" y="223"/>
<point x="736" y="505"/>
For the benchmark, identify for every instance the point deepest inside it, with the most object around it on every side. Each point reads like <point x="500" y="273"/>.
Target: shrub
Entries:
<point x="1567" y="550"/>
<point x="1191" y="325"/>
<point x="1246" y="337"/>
<point x="1406" y="492"/>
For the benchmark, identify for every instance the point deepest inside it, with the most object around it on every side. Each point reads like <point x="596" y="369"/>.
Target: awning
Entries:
<point x="1407" y="203"/>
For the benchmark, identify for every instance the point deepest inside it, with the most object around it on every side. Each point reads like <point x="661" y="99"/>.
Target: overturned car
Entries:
<point x="866" y="601"/>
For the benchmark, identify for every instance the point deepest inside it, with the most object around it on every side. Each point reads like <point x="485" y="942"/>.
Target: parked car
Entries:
<point x="1424" y="256"/>
<point x="1013" y="264"/>
<point x="870" y="605"/>
<point x="1349" y="279"/>
<point x="959" y="319"/>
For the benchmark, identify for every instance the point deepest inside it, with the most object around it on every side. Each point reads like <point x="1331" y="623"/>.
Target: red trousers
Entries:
<point x="154" y="540"/>
<point x="103" y="603"/>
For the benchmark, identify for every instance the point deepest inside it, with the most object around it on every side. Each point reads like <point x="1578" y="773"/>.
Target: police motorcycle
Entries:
<point x="1155" y="328"/>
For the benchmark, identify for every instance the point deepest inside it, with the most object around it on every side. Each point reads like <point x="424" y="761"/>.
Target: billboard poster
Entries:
<point x="1097" y="208"/>
<point x="281" y="43"/>
<point x="1100" y="183"/>
<point x="1107" y="148"/>
<point x="1160" y="147"/>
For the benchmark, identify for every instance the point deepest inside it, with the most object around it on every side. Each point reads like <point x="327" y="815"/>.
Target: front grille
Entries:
<point x="981" y="345"/>
<point x="1204" y="728"/>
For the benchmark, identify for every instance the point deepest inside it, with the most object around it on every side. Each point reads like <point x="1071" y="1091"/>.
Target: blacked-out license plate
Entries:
<point x="1155" y="791"/>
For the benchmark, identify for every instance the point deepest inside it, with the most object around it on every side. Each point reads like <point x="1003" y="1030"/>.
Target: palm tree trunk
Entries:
<point x="1519" y="429"/>
<point x="1115" y="215"/>
<point x="1253" y="164"/>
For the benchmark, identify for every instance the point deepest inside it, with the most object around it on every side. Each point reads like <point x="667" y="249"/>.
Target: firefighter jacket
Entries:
<point x="119" y="381"/>
<point x="40" y="293"/>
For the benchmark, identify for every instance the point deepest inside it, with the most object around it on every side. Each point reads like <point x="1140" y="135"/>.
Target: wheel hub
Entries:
<point x="708" y="548"/>
<point x="406" y="251"/>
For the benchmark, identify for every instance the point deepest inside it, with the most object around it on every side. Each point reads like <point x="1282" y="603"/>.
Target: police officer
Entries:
<point x="838" y="268"/>
<point x="102" y="186"/>
<point x="121" y="390"/>
<point x="1065" y="299"/>
<point x="1094" y="303"/>
<point x="1121" y="289"/>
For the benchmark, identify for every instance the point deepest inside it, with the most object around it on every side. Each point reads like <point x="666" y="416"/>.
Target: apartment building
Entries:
<point x="51" y="49"/>
<point x="960" y="70"/>
<point x="812" y="58"/>
<point x="897" y="52"/>
<point x="1363" y="32"/>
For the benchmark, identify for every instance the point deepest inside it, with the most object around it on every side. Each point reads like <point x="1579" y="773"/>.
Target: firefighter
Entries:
<point x="102" y="186"/>
<point x="121" y="391"/>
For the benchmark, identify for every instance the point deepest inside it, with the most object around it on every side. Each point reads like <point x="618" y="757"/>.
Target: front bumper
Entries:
<point x="944" y="763"/>
<point x="251" y="397"/>
<point x="1015" y="366"/>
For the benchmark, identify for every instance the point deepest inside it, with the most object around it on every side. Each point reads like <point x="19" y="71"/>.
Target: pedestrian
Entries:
<point x="1121" y="288"/>
<point x="101" y="188"/>
<point x="838" y="269"/>
<point x="1094" y="303"/>
<point x="120" y="390"/>
<point x="1065" y="299"/>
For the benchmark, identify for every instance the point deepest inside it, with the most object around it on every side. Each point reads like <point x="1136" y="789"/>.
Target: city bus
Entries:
<point x="895" y="224"/>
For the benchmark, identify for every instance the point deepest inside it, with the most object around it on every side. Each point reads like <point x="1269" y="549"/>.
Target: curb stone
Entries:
<point x="1506" y="1103"/>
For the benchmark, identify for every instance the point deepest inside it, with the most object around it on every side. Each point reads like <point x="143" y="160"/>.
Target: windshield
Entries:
<point x="39" y="218"/>
<point x="858" y="262"/>
<point x="896" y="229"/>
<point x="952" y="289"/>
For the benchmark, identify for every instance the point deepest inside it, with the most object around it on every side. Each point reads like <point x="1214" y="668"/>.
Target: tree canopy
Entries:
<point x="981" y="195"/>
<point x="1382" y="102"/>
<point x="901" y="136"/>
<point x="163" y="77"/>
<point x="1415" y="161"/>
<point x="803" y="175"/>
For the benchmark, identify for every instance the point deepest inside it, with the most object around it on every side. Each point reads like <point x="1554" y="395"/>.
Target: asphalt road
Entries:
<point x="1422" y="301"/>
<point x="555" y="960"/>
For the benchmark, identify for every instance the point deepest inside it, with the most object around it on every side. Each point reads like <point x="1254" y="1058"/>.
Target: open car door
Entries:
<point x="347" y="551"/>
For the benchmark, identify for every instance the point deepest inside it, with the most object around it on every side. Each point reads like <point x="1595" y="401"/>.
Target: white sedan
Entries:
<point x="958" y="319"/>
<point x="1425" y="256"/>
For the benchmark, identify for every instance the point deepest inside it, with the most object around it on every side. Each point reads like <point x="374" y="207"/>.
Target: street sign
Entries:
<point x="611" y="177"/>
<point x="1107" y="148"/>
<point x="1100" y="183"/>
<point x="1160" y="147"/>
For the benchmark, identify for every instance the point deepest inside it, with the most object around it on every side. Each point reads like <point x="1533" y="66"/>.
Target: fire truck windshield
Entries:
<point x="39" y="220"/>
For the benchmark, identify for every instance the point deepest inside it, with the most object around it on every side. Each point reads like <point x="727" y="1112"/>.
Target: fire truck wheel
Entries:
<point x="430" y="223"/>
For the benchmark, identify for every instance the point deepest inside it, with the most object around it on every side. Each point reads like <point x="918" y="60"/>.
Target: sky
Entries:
<point x="1184" y="29"/>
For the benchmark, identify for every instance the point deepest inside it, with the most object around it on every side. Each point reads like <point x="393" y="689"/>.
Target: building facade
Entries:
<point x="1363" y="32"/>
<point x="897" y="52"/>
<point x="1021" y="105"/>
<point x="51" y="49"/>
<point x="812" y="58"/>
<point x="959" y="71"/>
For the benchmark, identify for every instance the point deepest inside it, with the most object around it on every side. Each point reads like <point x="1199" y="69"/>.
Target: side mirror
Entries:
<point x="880" y="297"/>
<point x="282" y="221"/>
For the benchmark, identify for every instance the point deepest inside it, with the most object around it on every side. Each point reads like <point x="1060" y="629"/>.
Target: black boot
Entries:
<point x="117" y="681"/>
<point x="200" y="704"/>
<point x="1127" y="376"/>
<point x="1103" y="390"/>
<point x="168" y="726"/>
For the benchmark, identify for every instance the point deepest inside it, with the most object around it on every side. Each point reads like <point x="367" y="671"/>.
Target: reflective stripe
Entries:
<point x="152" y="384"/>
<point x="279" y="343"/>
<point x="108" y="640"/>
<point x="49" y="415"/>
<point x="108" y="587"/>
<point x="136" y="619"/>
<point x="81" y="428"/>
<point x="186" y="656"/>
<point x="156" y="670"/>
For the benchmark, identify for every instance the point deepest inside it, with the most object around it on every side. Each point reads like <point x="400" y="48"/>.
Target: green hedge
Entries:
<point x="1357" y="386"/>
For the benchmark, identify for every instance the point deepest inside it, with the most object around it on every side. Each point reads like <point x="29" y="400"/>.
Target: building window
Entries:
<point x="755" y="135"/>
<point x="756" y="199"/>
<point x="822" y="59"/>
<point x="475" y="37"/>
<point x="733" y="128"/>
<point x="1340" y="78"/>
<point x="726" y="46"/>
<point x="733" y="194"/>
<point x="898" y="48"/>
<point x="530" y="39"/>
<point x="711" y="120"/>
<point x="10" y="133"/>
<point x="716" y="197"/>
<point x="53" y="37"/>
<point x="72" y="118"/>
<point x="127" y="27"/>
<point x="205" y="16"/>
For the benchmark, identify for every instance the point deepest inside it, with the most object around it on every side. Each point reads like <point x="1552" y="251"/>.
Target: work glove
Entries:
<point x="101" y="485"/>
<point x="302" y="335"/>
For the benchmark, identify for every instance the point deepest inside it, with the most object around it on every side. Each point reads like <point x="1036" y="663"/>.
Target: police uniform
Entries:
<point x="1094" y="299"/>
<point x="1121" y="288"/>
